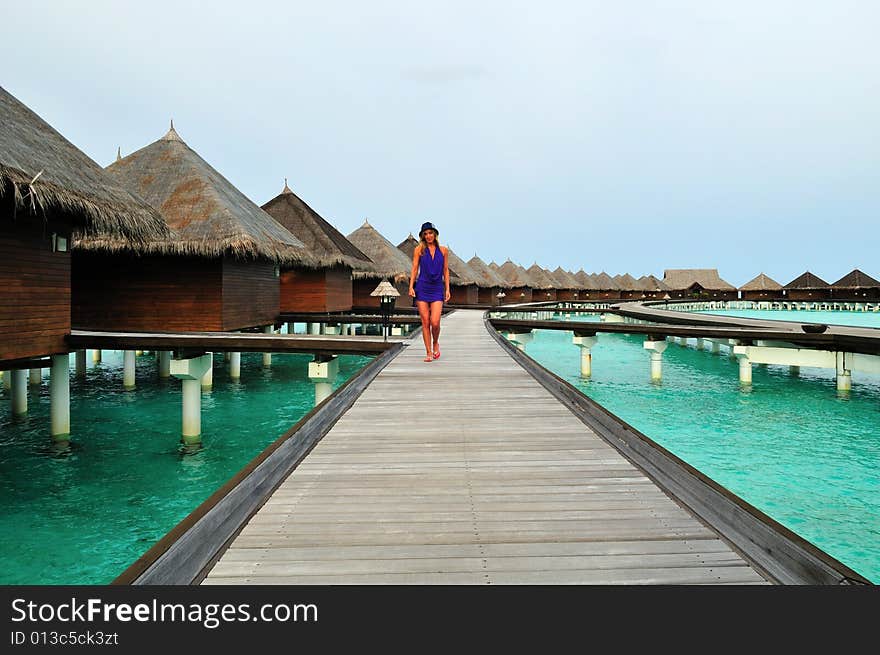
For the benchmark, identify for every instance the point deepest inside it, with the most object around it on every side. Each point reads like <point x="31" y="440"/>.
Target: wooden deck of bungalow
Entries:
<point x="492" y="481"/>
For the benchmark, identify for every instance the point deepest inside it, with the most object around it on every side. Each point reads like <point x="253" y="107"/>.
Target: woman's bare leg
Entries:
<point x="424" y="314"/>
<point x="436" y="311"/>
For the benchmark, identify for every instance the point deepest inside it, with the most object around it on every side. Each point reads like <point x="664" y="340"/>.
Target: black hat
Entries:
<point x="428" y="226"/>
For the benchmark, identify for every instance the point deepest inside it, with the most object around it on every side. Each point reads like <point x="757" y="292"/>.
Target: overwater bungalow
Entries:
<point x="761" y="287"/>
<point x="629" y="286"/>
<point x="807" y="287"/>
<point x="491" y="284"/>
<point x="329" y="287"/>
<point x="218" y="272"/>
<point x="651" y="287"/>
<point x="544" y="288"/>
<point x="567" y="287"/>
<point x="389" y="263"/>
<point x="49" y="191"/>
<point x="589" y="288"/>
<point x="463" y="283"/>
<point x="855" y="285"/>
<point x="704" y="283"/>
<point x="606" y="287"/>
<point x="520" y="285"/>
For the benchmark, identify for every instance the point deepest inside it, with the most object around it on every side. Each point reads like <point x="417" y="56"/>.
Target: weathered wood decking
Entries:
<point x="493" y="481"/>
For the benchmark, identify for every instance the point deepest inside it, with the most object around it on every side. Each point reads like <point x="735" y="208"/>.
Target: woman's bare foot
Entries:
<point x="429" y="358"/>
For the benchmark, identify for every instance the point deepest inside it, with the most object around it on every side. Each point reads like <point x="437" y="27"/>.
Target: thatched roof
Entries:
<point x="807" y="281"/>
<point x="540" y="278"/>
<point x="761" y="283"/>
<point x="42" y="173"/>
<point x="208" y="215"/>
<point x="466" y="275"/>
<point x="856" y="280"/>
<point x="684" y="278"/>
<point x="605" y="282"/>
<point x="488" y="275"/>
<point x="651" y="283"/>
<point x="388" y="260"/>
<point x="324" y="241"/>
<point x="627" y="282"/>
<point x="494" y="266"/>
<point x="565" y="279"/>
<point x="515" y="276"/>
<point x="588" y="282"/>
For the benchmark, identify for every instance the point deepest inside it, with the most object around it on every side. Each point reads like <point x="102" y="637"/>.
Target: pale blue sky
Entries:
<point x="618" y="136"/>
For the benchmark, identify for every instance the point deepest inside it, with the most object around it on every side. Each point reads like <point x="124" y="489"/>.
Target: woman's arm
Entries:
<point x="446" y="271"/>
<point x="415" y="270"/>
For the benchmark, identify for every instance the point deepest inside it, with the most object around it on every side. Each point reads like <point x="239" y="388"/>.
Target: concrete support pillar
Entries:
<point x="519" y="339"/>
<point x="128" y="357"/>
<point x="396" y="331"/>
<point x="226" y="356"/>
<point x="208" y="377"/>
<point x="656" y="349"/>
<point x="732" y="344"/>
<point x="36" y="377"/>
<point x="314" y="328"/>
<point x="5" y="376"/>
<point x="716" y="347"/>
<point x="794" y="370"/>
<point x="164" y="364"/>
<point x="700" y="343"/>
<point x="80" y="366"/>
<point x="343" y="329"/>
<point x="323" y="372"/>
<point x="235" y="366"/>
<point x="190" y="372"/>
<point x="844" y="371"/>
<point x="18" y="391"/>
<point x="59" y="396"/>
<point x="331" y="329"/>
<point x="267" y="357"/>
<point x="745" y="370"/>
<point x="96" y="356"/>
<point x="586" y="344"/>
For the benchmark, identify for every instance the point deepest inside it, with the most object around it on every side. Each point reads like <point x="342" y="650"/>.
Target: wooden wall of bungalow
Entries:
<point x="317" y="290"/>
<point x="463" y="294"/>
<point x="808" y="294"/>
<point x="489" y="296"/>
<point x="172" y="293"/>
<point x="631" y="294"/>
<point x="517" y="295"/>
<point x="870" y="294"/>
<point x="761" y="294"/>
<point x="544" y="295"/>
<point x="567" y="294"/>
<point x="35" y="283"/>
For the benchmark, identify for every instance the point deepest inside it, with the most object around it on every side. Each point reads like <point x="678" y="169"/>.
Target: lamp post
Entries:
<point x="387" y="295"/>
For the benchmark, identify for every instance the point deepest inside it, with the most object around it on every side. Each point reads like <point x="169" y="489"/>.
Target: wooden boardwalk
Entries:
<point x="492" y="481"/>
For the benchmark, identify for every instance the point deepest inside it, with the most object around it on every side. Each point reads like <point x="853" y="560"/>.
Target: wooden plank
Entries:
<point x="506" y="486"/>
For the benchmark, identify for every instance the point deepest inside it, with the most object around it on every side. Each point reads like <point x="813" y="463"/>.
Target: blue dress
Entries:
<point x="430" y="286"/>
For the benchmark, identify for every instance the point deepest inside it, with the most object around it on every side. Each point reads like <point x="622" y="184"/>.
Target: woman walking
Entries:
<point x="429" y="285"/>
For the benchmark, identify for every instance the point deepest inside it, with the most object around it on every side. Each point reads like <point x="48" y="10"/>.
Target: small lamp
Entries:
<point x="387" y="295"/>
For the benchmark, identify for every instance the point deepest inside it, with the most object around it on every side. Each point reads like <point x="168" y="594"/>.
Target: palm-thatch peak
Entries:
<point x="172" y="134"/>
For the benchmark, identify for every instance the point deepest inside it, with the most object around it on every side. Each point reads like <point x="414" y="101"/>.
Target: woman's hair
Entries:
<point x="424" y="244"/>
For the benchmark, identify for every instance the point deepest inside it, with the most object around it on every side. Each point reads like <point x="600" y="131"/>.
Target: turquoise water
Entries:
<point x="790" y="445"/>
<point x="860" y="319"/>
<point x="83" y="515"/>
